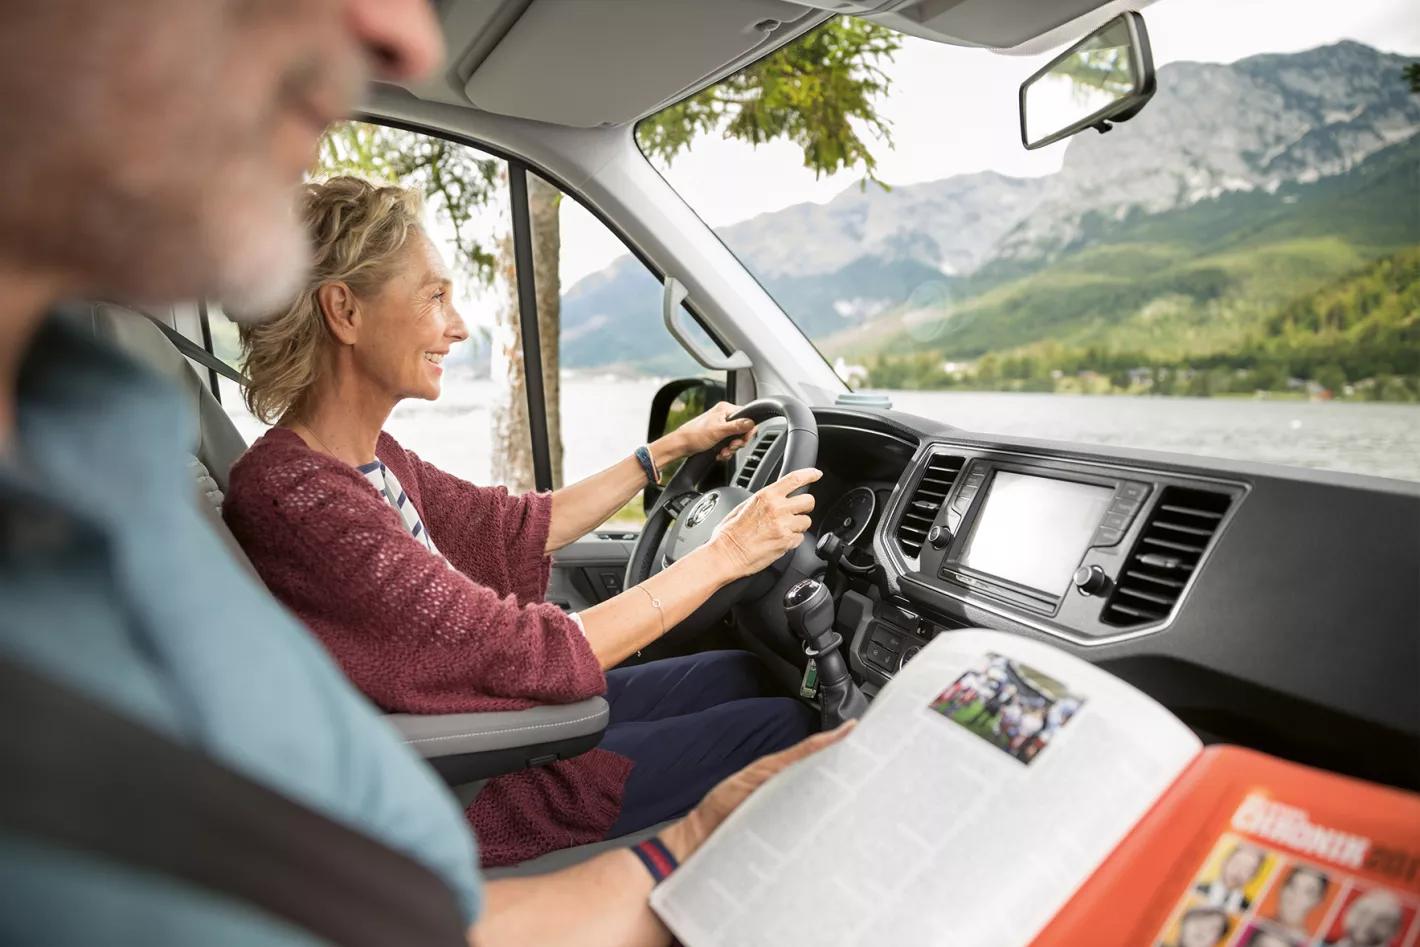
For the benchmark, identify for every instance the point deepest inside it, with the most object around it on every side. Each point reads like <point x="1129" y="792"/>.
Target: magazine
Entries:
<point x="1002" y="792"/>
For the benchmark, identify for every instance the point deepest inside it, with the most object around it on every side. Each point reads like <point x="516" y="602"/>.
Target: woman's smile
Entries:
<point x="436" y="359"/>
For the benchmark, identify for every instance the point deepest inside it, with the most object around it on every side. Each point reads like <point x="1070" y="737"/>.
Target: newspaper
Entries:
<point x="986" y="783"/>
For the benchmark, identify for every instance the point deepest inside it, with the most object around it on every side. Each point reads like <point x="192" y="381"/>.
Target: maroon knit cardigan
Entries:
<point x="419" y="637"/>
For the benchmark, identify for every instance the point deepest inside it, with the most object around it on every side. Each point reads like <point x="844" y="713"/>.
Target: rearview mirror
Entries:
<point x="1105" y="78"/>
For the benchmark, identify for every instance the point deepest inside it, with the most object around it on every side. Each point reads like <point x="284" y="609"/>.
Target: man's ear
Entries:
<point x="340" y="310"/>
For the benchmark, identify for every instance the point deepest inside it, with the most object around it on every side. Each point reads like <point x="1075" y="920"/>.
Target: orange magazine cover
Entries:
<point x="1245" y="850"/>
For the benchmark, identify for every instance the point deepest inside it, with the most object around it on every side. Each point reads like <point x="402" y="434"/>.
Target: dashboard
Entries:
<point x="1264" y="606"/>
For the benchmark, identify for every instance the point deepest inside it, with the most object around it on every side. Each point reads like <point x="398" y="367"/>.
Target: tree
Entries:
<point x="820" y="92"/>
<point x="811" y="92"/>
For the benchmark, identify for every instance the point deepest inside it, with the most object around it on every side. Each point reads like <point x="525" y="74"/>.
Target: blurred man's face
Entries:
<point x="1373" y="919"/>
<point x="152" y="146"/>
<point x="1240" y="867"/>
<point x="1302" y="892"/>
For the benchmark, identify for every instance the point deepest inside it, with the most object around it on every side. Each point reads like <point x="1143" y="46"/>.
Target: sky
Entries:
<point x="954" y="111"/>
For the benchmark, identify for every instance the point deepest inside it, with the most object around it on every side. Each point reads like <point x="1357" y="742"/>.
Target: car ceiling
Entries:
<point x="587" y="63"/>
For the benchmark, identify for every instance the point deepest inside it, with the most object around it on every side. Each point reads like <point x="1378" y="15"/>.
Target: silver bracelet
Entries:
<point x="656" y="604"/>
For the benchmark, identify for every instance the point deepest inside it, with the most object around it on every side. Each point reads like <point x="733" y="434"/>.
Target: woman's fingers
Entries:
<point x="793" y="480"/>
<point x="800" y="524"/>
<point x="803" y="503"/>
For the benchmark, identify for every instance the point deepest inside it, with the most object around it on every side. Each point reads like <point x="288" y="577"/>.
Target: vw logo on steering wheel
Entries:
<point x="701" y="509"/>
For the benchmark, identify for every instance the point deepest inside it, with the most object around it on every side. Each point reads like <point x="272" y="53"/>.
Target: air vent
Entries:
<point x="1167" y="553"/>
<point x="920" y="510"/>
<point x="756" y="456"/>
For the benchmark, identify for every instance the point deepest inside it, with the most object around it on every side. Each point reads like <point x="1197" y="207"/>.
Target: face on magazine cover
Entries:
<point x="1302" y="891"/>
<point x="1202" y="927"/>
<point x="1372" y="920"/>
<point x="1240" y="867"/>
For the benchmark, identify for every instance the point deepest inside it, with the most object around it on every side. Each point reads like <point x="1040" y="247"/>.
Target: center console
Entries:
<point x="1085" y="551"/>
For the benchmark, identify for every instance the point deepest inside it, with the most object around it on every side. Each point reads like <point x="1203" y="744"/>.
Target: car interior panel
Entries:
<point x="1273" y="607"/>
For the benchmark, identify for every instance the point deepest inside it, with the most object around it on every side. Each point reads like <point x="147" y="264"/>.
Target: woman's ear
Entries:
<point x="339" y="309"/>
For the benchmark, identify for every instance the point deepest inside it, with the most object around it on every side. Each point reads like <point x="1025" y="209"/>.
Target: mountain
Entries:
<point x="830" y="264"/>
<point x="1235" y="155"/>
<point x="1252" y="125"/>
<point x="1192" y="280"/>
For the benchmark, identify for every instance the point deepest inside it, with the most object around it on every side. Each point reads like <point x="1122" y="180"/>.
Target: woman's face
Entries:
<point x="408" y="327"/>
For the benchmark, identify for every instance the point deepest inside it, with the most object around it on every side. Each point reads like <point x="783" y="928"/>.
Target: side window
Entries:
<point x="466" y="215"/>
<point x="477" y="429"/>
<point x="605" y="348"/>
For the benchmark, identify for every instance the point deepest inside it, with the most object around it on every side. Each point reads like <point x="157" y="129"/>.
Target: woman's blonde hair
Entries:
<point x="357" y="231"/>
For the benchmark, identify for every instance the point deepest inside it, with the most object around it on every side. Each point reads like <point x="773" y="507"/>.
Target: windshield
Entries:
<point x="1238" y="266"/>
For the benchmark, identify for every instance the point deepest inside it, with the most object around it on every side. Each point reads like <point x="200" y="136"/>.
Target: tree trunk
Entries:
<point x="511" y="463"/>
<point x="544" y="203"/>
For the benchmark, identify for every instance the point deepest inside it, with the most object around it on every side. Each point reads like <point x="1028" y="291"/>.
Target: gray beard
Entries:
<point x="265" y="271"/>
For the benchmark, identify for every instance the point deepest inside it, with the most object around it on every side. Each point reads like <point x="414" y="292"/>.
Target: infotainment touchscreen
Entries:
<point x="1033" y="530"/>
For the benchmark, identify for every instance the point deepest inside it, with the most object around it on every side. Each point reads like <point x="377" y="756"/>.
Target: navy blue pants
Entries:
<point x="689" y="722"/>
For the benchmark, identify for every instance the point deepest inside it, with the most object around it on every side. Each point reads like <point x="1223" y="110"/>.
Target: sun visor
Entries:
<point x="613" y="61"/>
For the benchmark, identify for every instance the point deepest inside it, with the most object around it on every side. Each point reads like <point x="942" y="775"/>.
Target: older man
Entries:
<point x="150" y="152"/>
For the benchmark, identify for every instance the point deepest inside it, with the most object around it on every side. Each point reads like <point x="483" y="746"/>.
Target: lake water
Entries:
<point x="602" y="420"/>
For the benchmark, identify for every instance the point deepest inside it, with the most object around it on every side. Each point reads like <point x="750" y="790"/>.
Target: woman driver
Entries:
<point x="428" y="589"/>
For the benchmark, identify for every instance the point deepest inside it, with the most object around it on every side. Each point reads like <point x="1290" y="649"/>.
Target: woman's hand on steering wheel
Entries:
<point x="768" y="524"/>
<point x="704" y="431"/>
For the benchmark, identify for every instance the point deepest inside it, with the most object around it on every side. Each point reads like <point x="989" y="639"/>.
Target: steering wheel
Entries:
<point x="685" y="516"/>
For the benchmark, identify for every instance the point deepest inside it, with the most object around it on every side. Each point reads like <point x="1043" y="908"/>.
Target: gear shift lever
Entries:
<point x="809" y="609"/>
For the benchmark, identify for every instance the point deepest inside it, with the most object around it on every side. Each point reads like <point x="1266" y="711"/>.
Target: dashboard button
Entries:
<point x="886" y="640"/>
<point x="1091" y="580"/>
<point x="939" y="538"/>
<point x="1124" y="506"/>
<point x="1105" y="536"/>
<point x="880" y="656"/>
<point x="1134" y="491"/>
<point x="1114" y="521"/>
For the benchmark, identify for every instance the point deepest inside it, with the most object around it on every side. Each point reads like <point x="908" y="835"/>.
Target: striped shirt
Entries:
<point x="384" y="480"/>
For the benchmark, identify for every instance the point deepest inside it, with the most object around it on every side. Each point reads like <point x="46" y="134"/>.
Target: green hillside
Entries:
<point x="1189" y="290"/>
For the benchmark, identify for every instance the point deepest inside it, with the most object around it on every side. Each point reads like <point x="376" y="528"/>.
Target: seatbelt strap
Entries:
<point x="200" y="355"/>
<point x="80" y="776"/>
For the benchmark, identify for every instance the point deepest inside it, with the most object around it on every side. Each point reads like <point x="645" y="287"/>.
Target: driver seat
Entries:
<point x="463" y="748"/>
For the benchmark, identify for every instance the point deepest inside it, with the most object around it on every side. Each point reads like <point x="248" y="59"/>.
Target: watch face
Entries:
<point x="848" y="519"/>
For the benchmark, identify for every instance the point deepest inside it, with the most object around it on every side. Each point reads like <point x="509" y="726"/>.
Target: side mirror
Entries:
<point x="677" y="402"/>
<point x="1105" y="78"/>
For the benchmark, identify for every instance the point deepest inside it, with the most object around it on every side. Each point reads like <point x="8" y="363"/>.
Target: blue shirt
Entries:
<point x="112" y="582"/>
